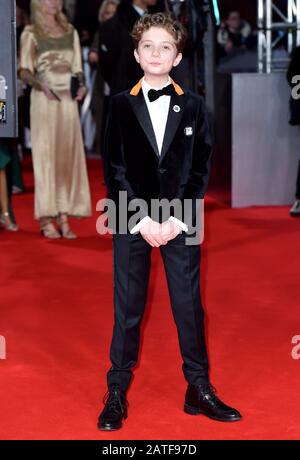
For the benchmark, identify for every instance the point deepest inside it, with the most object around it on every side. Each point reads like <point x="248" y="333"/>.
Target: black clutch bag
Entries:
<point x="74" y="85"/>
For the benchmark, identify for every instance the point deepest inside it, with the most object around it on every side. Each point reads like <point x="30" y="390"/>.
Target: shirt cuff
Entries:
<point x="138" y="226"/>
<point x="178" y="222"/>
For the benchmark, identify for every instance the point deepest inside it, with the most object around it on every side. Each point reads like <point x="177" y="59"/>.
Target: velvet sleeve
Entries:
<point x="115" y="168"/>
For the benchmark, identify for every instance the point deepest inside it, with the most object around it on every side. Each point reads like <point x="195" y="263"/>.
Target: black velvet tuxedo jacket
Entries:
<point x="132" y="162"/>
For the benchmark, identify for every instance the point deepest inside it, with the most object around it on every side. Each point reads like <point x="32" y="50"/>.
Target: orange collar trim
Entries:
<point x="136" y="89"/>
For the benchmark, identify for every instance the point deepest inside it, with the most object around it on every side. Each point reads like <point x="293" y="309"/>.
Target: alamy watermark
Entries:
<point x="296" y="89"/>
<point x="189" y="211"/>
<point x="296" y="349"/>
<point x="2" y="347"/>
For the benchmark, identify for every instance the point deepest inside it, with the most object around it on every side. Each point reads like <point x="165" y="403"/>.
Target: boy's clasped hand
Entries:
<point x="157" y="234"/>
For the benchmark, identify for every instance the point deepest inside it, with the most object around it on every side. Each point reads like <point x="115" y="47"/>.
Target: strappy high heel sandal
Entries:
<point x="7" y="223"/>
<point x="62" y="222"/>
<point x="48" y="230"/>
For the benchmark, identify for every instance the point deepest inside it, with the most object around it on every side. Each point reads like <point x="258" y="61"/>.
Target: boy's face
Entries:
<point x="157" y="52"/>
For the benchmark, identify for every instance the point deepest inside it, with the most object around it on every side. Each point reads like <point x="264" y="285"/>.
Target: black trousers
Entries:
<point x="132" y="260"/>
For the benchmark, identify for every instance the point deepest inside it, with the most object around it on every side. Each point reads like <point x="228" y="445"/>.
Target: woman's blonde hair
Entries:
<point x="37" y="18"/>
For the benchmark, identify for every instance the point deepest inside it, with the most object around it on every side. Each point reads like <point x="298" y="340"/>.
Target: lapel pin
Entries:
<point x="188" y="131"/>
<point x="176" y="108"/>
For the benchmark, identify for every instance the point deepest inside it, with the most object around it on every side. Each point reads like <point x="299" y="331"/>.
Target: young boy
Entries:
<point x="158" y="147"/>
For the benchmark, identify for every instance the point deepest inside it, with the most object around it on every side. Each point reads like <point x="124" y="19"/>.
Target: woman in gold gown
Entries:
<point x="49" y="55"/>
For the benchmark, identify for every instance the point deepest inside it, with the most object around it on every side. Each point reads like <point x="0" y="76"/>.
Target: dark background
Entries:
<point x="247" y="8"/>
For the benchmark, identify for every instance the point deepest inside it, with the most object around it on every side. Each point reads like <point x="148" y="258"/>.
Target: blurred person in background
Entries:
<point x="107" y="10"/>
<point x="70" y="9"/>
<point x="233" y="33"/>
<point x="86" y="19"/>
<point x="50" y="55"/>
<point x="101" y="90"/>
<point x="116" y="59"/>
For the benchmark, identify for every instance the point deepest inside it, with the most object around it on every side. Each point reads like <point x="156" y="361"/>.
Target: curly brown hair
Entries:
<point x="164" y="21"/>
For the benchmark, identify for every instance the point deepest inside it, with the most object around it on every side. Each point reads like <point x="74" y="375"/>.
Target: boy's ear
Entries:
<point x="177" y="59"/>
<point x="136" y="55"/>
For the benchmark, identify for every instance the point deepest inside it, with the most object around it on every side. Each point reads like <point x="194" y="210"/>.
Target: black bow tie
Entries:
<point x="154" y="94"/>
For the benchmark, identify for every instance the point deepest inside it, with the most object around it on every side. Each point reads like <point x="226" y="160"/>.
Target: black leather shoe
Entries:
<point x="202" y="399"/>
<point x="115" y="410"/>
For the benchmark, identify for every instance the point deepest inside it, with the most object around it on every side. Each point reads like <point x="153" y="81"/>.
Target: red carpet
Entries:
<point x="56" y="316"/>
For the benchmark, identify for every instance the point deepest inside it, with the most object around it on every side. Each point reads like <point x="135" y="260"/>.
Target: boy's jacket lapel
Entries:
<point x="173" y="121"/>
<point x="140" y="109"/>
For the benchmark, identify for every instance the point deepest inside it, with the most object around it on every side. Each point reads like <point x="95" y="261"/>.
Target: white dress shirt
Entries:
<point x="158" y="111"/>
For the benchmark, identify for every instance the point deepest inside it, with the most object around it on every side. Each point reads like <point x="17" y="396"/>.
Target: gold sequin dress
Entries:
<point x="61" y="181"/>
